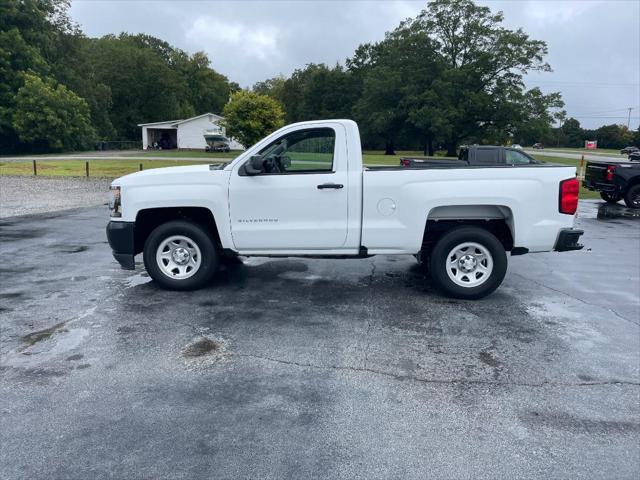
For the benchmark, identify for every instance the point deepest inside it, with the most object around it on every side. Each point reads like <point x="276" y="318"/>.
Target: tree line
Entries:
<point x="61" y="90"/>
<point x="453" y="74"/>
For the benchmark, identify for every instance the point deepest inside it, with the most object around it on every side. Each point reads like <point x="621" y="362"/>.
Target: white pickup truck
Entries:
<point x="303" y="191"/>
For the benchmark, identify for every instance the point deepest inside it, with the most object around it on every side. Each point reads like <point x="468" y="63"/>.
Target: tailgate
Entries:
<point x="596" y="172"/>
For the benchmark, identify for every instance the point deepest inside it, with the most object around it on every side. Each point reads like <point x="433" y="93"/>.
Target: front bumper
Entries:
<point x="122" y="241"/>
<point x="568" y="240"/>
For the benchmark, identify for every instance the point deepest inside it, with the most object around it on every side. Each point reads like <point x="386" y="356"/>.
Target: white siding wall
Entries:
<point x="191" y="133"/>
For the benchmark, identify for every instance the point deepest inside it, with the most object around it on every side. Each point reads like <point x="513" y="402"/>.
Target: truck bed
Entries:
<point x="396" y="201"/>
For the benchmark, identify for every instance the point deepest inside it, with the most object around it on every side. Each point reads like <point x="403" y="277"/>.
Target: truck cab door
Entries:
<point x="297" y="197"/>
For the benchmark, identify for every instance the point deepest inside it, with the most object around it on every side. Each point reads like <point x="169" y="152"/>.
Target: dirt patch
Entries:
<point x="35" y="337"/>
<point x="201" y="346"/>
<point x="125" y="329"/>
<point x="488" y="359"/>
<point x="71" y="248"/>
<point x="203" y="351"/>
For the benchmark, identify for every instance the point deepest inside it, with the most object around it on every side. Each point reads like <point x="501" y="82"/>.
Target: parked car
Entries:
<point x="538" y="146"/>
<point x="303" y="191"/>
<point x="216" y="143"/>
<point x="615" y="181"/>
<point x="517" y="146"/>
<point x="634" y="156"/>
<point x="474" y="155"/>
<point x="629" y="150"/>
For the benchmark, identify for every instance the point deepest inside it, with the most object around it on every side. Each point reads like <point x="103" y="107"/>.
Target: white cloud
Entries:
<point x="217" y="36"/>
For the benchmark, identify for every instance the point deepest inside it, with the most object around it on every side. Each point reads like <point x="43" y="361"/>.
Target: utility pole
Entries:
<point x="629" y="117"/>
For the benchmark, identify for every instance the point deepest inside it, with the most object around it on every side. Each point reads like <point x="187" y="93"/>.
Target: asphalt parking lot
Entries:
<point x="316" y="368"/>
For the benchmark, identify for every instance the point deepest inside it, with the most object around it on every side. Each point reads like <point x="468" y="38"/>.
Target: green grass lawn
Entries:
<point x="114" y="168"/>
<point x="97" y="168"/>
<point x="607" y="152"/>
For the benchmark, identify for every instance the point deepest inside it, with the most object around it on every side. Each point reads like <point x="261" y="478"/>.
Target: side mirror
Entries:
<point x="253" y="166"/>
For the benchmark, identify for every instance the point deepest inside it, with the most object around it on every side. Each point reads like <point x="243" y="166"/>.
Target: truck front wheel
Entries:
<point x="180" y="255"/>
<point x="468" y="263"/>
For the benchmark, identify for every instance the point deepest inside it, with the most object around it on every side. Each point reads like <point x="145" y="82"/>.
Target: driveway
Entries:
<point x="290" y="368"/>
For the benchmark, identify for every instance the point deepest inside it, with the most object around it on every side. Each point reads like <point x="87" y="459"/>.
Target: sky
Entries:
<point x="594" y="45"/>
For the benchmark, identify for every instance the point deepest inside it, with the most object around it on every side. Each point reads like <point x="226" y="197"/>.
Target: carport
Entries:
<point x="166" y="138"/>
<point x="165" y="134"/>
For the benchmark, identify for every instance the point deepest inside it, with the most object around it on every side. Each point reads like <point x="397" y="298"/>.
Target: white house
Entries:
<point x="185" y="134"/>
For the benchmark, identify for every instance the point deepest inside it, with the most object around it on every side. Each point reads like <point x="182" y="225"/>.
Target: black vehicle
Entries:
<point x="634" y="156"/>
<point x="629" y="150"/>
<point x="614" y="181"/>
<point x="475" y="155"/>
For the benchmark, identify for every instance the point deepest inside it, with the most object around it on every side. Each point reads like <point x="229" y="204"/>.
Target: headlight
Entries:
<point x="115" y="204"/>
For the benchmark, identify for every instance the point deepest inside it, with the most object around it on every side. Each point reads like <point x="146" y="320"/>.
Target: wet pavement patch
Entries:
<point x="77" y="356"/>
<point x="609" y="210"/>
<point x="575" y="424"/>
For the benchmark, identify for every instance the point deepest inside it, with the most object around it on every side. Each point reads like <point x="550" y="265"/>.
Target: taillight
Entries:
<point x="569" y="190"/>
<point x="611" y="170"/>
<point x="404" y="162"/>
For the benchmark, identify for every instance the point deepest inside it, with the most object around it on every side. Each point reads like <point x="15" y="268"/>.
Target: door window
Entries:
<point x="302" y="151"/>
<point x="487" y="156"/>
<point x="516" y="158"/>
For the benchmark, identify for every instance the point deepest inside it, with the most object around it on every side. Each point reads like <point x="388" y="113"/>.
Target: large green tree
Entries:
<point x="51" y="116"/>
<point x="249" y="116"/>
<point x="29" y="30"/>
<point x="464" y="77"/>
<point x="314" y="92"/>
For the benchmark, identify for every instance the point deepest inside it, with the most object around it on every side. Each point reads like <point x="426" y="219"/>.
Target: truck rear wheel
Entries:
<point x="180" y="255"/>
<point x="610" y="197"/>
<point x="468" y="263"/>
<point x="632" y="197"/>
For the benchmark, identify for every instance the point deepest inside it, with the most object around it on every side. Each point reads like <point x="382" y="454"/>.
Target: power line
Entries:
<point x="606" y="111"/>
<point x="601" y="116"/>
<point x="584" y="84"/>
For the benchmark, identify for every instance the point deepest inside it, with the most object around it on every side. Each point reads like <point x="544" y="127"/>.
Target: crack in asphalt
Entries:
<point x="433" y="381"/>
<point x="611" y="310"/>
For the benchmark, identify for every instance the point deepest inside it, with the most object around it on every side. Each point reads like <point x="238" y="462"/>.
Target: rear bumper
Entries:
<point x="568" y="240"/>
<point x="121" y="239"/>
<point x="600" y="187"/>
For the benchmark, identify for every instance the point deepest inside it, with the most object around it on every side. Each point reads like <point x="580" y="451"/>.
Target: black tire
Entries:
<point x="457" y="236"/>
<point x="610" y="197"/>
<point x="632" y="197"/>
<point x="209" y="260"/>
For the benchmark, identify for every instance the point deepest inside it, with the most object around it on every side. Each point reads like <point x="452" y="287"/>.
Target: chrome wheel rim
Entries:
<point x="178" y="257"/>
<point x="469" y="264"/>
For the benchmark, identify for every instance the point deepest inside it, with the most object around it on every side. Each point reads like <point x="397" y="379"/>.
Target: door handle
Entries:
<point x="330" y="185"/>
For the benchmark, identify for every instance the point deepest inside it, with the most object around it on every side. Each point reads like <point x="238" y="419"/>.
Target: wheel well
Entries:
<point x="632" y="182"/>
<point x="436" y="228"/>
<point x="147" y="220"/>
